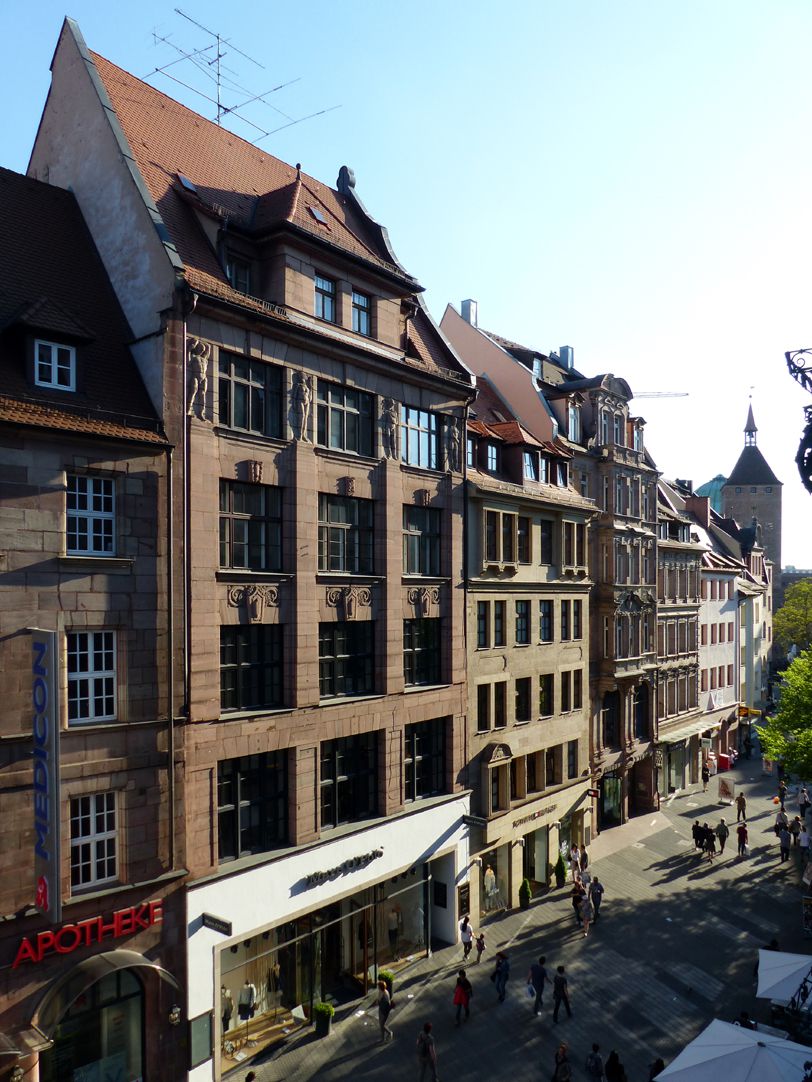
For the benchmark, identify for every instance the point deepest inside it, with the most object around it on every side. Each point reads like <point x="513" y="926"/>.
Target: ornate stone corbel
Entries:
<point x="422" y="497"/>
<point x="346" y="486"/>
<point x="424" y="598"/>
<point x="254" y="597"/>
<point x="199" y="353"/>
<point x="348" y="598"/>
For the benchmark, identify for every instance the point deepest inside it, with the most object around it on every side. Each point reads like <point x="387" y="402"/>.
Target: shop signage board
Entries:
<point x="83" y="933"/>
<point x="352" y="864"/>
<point x="464" y="899"/>
<point x="45" y="790"/>
<point x="217" y="924"/>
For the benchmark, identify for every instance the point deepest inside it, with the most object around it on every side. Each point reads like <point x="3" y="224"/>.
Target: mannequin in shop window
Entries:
<point x="226" y="1007"/>
<point x="418" y="921"/>
<point x="393" y="922"/>
<point x="489" y="884"/>
<point x="247" y="1001"/>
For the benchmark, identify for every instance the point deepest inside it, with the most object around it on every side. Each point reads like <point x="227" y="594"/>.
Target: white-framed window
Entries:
<point x="91" y="676"/>
<point x="91" y="516"/>
<point x="54" y="365"/>
<point x="92" y="840"/>
<point x="574" y="422"/>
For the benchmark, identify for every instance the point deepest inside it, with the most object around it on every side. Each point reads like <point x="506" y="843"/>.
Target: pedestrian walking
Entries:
<point x="384" y="1008"/>
<point x="722" y="833"/>
<point x="576" y="894"/>
<point x="795" y="829"/>
<point x="575" y="860"/>
<point x="698" y="834"/>
<point x="782" y="792"/>
<point x="741" y="806"/>
<point x="427" y="1053"/>
<point x="462" y="996"/>
<point x="710" y="843"/>
<point x="705" y="777"/>
<point x="584" y="860"/>
<point x="501" y="974"/>
<point x="594" y="1064"/>
<point x="563" y="1070"/>
<point x="784" y="840"/>
<point x="803" y="801"/>
<point x="614" y="1068"/>
<point x="742" y="836"/>
<point x="536" y="979"/>
<point x="781" y="821"/>
<point x="803" y="843"/>
<point x="480" y="946"/>
<point x="587" y="913"/>
<point x="560" y="993"/>
<point x="596" y="894"/>
<point x="466" y="937"/>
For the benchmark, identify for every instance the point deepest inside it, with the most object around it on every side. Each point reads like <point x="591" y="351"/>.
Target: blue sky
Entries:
<point x="629" y="178"/>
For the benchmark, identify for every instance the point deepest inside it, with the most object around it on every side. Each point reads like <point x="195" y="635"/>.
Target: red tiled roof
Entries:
<point x="40" y="415"/>
<point x="52" y="281"/>
<point x="240" y="181"/>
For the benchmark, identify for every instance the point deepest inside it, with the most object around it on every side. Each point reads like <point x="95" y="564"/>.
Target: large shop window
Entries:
<point x="346" y="658"/>
<point x="250" y="526"/>
<point x="101" y="1035"/>
<point x="348" y="779"/>
<point x="424" y="759"/>
<point x="421" y="540"/>
<point x="93" y="835"/>
<point x="250" y="396"/>
<point x="91" y="676"/>
<point x="345" y="534"/>
<point x="91" y="516"/>
<point x="344" y="418"/>
<point x="422" y="663"/>
<point x="252" y="804"/>
<point x="251" y="667"/>
<point x="419" y="437"/>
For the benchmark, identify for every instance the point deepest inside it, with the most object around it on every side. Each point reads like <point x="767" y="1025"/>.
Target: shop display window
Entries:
<point x="494" y="887"/>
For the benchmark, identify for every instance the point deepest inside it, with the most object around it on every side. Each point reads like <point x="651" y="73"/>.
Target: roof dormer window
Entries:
<point x="54" y="366"/>
<point x="492" y="457"/>
<point x="238" y="272"/>
<point x="574" y="422"/>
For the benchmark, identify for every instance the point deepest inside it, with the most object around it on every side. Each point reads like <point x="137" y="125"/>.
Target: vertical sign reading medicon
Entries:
<point x="45" y="793"/>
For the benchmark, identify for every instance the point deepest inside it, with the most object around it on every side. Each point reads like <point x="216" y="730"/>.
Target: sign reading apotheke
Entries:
<point x="45" y="791"/>
<point x="70" y="937"/>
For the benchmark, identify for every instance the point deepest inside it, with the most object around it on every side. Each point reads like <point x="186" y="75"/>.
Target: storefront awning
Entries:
<point x="676" y="736"/>
<point x="77" y="980"/>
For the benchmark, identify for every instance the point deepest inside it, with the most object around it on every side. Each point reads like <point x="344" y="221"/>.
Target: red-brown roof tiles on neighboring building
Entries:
<point x="53" y="286"/>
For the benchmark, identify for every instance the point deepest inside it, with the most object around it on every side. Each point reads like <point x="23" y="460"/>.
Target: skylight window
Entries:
<point x="317" y="214"/>
<point x="187" y="184"/>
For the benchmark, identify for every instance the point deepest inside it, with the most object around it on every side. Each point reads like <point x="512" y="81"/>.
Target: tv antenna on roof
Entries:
<point x="208" y="61"/>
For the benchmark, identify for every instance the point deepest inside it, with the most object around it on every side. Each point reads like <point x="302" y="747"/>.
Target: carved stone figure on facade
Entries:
<point x="349" y="598"/>
<point x="389" y="428"/>
<point x="452" y="444"/>
<point x="199" y="352"/>
<point x="301" y="396"/>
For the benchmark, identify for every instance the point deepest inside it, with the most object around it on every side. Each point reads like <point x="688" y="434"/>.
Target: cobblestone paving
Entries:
<point x="675" y="946"/>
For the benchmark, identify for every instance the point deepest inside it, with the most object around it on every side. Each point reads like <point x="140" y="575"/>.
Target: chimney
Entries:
<point x="686" y="487"/>
<point x="567" y="355"/>
<point x="468" y="310"/>
<point x="699" y="507"/>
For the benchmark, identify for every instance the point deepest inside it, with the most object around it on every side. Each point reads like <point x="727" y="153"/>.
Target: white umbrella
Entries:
<point x="735" y="1054"/>
<point x="780" y="975"/>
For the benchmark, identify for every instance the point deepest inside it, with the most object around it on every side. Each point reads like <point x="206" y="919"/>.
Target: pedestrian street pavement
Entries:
<point x="675" y="946"/>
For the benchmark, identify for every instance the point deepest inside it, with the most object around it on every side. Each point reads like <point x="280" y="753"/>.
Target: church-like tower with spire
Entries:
<point x="753" y="490"/>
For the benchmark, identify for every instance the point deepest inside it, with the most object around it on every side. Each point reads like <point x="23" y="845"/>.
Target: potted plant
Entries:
<point x="388" y="977"/>
<point x="525" y="894"/>
<point x="323" y="1018"/>
<point x="560" y="871"/>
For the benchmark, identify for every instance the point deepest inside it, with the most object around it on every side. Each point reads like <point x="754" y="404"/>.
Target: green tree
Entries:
<point x="792" y="623"/>
<point x="788" y="735"/>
